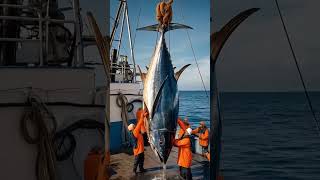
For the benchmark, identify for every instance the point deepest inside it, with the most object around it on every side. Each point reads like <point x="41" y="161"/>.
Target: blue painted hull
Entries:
<point x="116" y="130"/>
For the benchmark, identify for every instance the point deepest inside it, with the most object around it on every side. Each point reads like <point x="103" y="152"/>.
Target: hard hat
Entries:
<point x="131" y="127"/>
<point x="189" y="131"/>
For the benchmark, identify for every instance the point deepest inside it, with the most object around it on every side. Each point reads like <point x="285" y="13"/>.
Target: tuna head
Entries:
<point x="160" y="95"/>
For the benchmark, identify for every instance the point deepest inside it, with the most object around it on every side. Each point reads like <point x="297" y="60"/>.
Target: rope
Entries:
<point x="122" y="102"/>
<point x="135" y="33"/>
<point x="194" y="56"/>
<point x="38" y="115"/>
<point x="298" y="68"/>
<point x="164" y="13"/>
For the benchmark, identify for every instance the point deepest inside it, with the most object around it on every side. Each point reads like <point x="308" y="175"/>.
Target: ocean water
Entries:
<point x="196" y="106"/>
<point x="265" y="135"/>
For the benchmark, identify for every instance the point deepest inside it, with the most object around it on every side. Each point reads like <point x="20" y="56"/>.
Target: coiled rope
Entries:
<point x="44" y="127"/>
<point x="298" y="68"/>
<point x="125" y="107"/>
<point x="164" y="13"/>
<point x="122" y="102"/>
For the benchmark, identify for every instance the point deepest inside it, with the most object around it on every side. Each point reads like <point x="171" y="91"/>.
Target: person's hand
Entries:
<point x="145" y="112"/>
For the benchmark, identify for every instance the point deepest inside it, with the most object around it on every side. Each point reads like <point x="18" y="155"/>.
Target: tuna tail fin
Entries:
<point x="172" y="26"/>
<point x="178" y="73"/>
<point x="156" y="101"/>
<point x="142" y="75"/>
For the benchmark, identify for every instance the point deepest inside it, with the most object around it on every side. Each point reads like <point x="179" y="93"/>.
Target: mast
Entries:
<point x="122" y="12"/>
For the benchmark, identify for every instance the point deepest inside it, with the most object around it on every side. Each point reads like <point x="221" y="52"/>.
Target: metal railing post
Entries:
<point x="41" y="38"/>
<point x="47" y="31"/>
<point x="130" y="43"/>
<point x="78" y="26"/>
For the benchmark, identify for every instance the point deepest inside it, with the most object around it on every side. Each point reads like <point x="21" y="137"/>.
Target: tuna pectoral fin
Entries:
<point x="156" y="101"/>
<point x="177" y="74"/>
<point x="142" y="75"/>
<point x="172" y="26"/>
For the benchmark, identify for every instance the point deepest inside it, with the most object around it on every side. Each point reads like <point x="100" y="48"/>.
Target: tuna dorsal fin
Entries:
<point x="178" y="73"/>
<point x="172" y="26"/>
<point x="156" y="101"/>
<point x="142" y="75"/>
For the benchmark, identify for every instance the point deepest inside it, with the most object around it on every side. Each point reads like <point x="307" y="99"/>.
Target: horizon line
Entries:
<point x="280" y="91"/>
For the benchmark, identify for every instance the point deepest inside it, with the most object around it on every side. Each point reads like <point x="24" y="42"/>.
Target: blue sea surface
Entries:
<point x="196" y="106"/>
<point x="265" y="135"/>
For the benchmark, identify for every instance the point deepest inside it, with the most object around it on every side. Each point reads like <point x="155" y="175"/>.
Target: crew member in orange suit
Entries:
<point x="187" y="125"/>
<point x="184" y="154"/>
<point x="138" y="142"/>
<point x="203" y="133"/>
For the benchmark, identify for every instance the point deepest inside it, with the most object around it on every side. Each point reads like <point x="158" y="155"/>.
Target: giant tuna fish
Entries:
<point x="160" y="95"/>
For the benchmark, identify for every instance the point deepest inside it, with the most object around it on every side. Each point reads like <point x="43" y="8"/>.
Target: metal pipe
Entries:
<point x="130" y="43"/>
<point x="114" y="68"/>
<point x="17" y="6"/>
<point x="78" y="26"/>
<point x="16" y="40"/>
<point x="41" y="39"/>
<point x="116" y="21"/>
<point x="121" y="33"/>
<point x="36" y="19"/>
<point x="47" y="30"/>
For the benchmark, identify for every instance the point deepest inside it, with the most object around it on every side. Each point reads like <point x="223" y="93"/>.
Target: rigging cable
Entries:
<point x="195" y="59"/>
<point x="135" y="33"/>
<point x="298" y="68"/>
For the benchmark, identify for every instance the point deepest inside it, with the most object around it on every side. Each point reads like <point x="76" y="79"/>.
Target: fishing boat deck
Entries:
<point x="122" y="163"/>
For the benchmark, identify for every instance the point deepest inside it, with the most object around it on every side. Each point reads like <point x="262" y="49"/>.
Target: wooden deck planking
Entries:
<point x="122" y="164"/>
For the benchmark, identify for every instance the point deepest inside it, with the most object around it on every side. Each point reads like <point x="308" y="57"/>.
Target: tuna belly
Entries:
<point x="162" y="134"/>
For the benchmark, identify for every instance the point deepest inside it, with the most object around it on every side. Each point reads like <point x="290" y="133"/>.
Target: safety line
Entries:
<point x="135" y="34"/>
<point x="195" y="59"/>
<point x="297" y="65"/>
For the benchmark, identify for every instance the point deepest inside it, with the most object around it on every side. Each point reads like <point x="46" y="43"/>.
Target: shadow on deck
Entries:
<point x="122" y="164"/>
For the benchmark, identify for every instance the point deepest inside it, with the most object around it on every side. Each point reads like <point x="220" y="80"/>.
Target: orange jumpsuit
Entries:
<point x="184" y="145"/>
<point x="182" y="131"/>
<point x="184" y="153"/>
<point x="138" y="135"/>
<point x="203" y="137"/>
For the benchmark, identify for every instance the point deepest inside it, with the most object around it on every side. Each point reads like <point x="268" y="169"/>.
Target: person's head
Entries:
<point x="186" y="121"/>
<point x="131" y="127"/>
<point x="202" y="124"/>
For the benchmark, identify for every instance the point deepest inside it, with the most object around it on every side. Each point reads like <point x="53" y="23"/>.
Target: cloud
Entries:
<point x="190" y="78"/>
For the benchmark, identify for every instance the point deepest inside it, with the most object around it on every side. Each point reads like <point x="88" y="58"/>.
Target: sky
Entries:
<point x="189" y="12"/>
<point x="257" y="55"/>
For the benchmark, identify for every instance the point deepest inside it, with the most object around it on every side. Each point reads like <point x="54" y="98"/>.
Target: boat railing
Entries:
<point x="123" y="71"/>
<point x="43" y="28"/>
